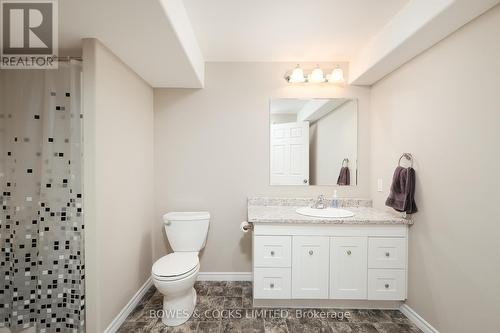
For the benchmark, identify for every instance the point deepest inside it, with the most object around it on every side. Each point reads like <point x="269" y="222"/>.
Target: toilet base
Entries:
<point x="179" y="309"/>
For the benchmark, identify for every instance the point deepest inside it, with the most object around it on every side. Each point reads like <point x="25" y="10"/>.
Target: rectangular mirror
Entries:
<point x="313" y="141"/>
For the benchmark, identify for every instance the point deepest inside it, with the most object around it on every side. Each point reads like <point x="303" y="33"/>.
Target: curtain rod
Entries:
<point x="68" y="58"/>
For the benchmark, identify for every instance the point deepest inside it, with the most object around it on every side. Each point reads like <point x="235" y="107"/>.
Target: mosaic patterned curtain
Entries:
<point x="41" y="223"/>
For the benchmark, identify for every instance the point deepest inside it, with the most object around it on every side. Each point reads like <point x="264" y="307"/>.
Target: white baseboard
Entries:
<point x="417" y="320"/>
<point x="224" y="276"/>
<point x="127" y="310"/>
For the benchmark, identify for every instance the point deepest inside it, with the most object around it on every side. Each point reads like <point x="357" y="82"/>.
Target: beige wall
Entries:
<point x="443" y="107"/>
<point x="118" y="180"/>
<point x="212" y="152"/>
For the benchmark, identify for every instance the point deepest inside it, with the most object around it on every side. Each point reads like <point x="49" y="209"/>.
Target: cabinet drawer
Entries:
<point x="386" y="284"/>
<point x="272" y="283"/>
<point x="272" y="251"/>
<point x="387" y="253"/>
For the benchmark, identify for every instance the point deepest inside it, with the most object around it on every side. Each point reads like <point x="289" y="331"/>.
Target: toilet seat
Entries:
<point x="177" y="278"/>
<point x="175" y="266"/>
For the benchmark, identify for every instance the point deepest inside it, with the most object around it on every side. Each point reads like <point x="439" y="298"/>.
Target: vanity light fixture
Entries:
<point x="316" y="75"/>
<point x="337" y="75"/>
<point x="297" y="75"/>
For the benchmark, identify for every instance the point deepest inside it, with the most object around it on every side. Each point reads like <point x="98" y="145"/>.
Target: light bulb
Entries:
<point x="337" y="75"/>
<point x="317" y="75"/>
<point x="297" y="75"/>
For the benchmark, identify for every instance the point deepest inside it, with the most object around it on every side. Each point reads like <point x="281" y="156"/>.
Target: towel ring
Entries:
<point x="346" y="161"/>
<point x="408" y="157"/>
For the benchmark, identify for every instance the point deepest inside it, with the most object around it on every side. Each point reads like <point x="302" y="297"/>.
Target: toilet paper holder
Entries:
<point x="246" y="226"/>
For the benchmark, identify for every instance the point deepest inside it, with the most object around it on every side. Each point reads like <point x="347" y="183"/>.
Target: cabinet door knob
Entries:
<point x="348" y="252"/>
<point x="386" y="285"/>
<point x="272" y="253"/>
<point x="305" y="181"/>
<point x="387" y="254"/>
<point x="271" y="285"/>
<point x="311" y="252"/>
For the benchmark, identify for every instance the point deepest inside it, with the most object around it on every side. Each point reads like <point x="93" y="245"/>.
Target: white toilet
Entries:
<point x="174" y="275"/>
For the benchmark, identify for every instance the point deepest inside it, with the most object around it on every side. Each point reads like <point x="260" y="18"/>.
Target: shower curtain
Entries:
<point x="41" y="221"/>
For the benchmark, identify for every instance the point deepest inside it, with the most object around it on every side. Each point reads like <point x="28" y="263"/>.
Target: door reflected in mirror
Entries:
<point x="313" y="141"/>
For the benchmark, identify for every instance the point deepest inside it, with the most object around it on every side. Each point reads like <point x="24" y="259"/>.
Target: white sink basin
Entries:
<point x="326" y="212"/>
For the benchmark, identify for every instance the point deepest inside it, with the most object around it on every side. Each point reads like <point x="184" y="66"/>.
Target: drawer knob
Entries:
<point x="386" y="286"/>
<point x="387" y="254"/>
<point x="272" y="253"/>
<point x="311" y="252"/>
<point x="349" y="252"/>
<point x="271" y="285"/>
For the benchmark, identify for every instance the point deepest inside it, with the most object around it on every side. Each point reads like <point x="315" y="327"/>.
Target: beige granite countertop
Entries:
<point x="288" y="214"/>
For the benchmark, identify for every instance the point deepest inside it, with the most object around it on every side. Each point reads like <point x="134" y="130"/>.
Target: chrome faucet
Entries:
<point x="320" y="202"/>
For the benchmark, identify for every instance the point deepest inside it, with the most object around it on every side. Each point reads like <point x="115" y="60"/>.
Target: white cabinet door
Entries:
<point x="310" y="258"/>
<point x="290" y="154"/>
<point x="348" y="267"/>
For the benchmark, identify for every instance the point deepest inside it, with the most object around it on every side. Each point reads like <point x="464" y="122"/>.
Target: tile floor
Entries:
<point x="219" y="301"/>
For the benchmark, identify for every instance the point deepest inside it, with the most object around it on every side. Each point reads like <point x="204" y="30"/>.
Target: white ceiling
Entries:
<point x="287" y="30"/>
<point x="151" y="36"/>
<point x="167" y="42"/>
<point x="417" y="27"/>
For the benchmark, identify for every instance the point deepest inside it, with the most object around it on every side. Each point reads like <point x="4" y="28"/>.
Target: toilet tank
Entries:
<point x="186" y="231"/>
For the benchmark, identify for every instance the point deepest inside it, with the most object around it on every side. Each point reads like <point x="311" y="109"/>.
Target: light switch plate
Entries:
<point x="380" y="184"/>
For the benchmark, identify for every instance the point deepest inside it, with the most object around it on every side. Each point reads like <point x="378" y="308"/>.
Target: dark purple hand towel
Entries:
<point x="402" y="195"/>
<point x="344" y="177"/>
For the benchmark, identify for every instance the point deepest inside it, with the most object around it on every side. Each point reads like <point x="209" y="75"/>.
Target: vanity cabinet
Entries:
<point x="333" y="262"/>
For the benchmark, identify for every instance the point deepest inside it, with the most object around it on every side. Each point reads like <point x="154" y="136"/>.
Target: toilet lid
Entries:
<point x="176" y="263"/>
<point x="186" y="216"/>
